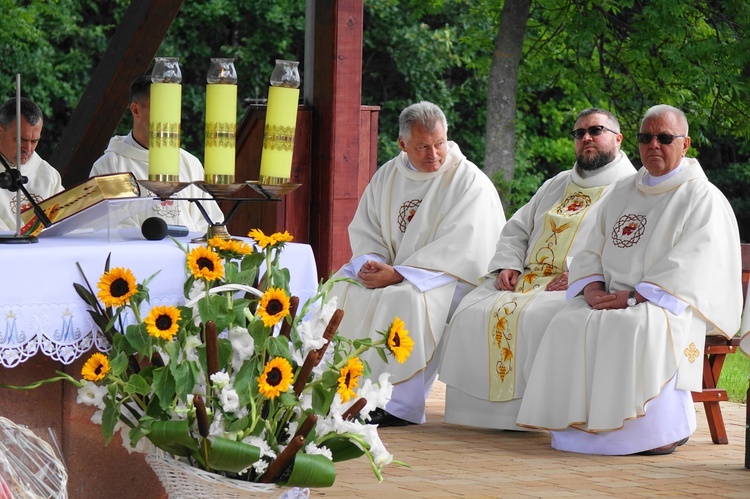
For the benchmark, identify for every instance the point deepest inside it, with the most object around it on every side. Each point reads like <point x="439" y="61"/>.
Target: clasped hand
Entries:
<point x="508" y="278"/>
<point x="374" y="274"/>
<point x="599" y="299"/>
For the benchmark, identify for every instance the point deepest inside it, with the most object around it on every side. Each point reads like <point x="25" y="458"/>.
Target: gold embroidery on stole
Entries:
<point x="561" y="224"/>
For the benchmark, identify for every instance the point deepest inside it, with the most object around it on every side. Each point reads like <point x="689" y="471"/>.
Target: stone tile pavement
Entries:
<point x="453" y="461"/>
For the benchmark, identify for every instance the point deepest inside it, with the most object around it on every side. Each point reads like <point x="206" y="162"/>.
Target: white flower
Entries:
<point x="91" y="394"/>
<point x="220" y="379"/>
<point x="311" y="331"/>
<point x="191" y="343"/>
<point x="217" y="426"/>
<point x="311" y="448"/>
<point x="377" y="395"/>
<point x="143" y="446"/>
<point x="243" y="346"/>
<point x="230" y="401"/>
<point x="380" y="456"/>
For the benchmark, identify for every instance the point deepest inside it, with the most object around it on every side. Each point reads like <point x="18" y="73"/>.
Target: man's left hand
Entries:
<point x="559" y="283"/>
<point x="375" y="274"/>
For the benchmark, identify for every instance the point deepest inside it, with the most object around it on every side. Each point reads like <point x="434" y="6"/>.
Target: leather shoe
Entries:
<point x="663" y="450"/>
<point x="383" y="419"/>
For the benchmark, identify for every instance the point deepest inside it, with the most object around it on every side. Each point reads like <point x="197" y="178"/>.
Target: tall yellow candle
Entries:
<point x="278" y="137"/>
<point x="164" y="132"/>
<point x="221" y="121"/>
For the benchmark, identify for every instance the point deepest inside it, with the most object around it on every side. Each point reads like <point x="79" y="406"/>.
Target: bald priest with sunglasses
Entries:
<point x="505" y="317"/>
<point x="615" y="367"/>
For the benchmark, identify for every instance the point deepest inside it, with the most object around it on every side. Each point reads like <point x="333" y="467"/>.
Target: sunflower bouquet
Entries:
<point x="236" y="381"/>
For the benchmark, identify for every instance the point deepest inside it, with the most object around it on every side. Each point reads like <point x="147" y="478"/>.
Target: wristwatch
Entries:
<point x="631" y="299"/>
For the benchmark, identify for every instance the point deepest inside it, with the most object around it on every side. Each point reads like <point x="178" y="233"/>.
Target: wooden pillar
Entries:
<point x="336" y="98"/>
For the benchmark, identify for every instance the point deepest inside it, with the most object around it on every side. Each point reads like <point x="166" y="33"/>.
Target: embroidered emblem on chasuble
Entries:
<point x="407" y="212"/>
<point x="692" y="352"/>
<point x="628" y="230"/>
<point x="547" y="260"/>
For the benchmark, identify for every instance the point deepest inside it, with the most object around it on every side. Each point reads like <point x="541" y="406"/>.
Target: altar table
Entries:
<point x="43" y="313"/>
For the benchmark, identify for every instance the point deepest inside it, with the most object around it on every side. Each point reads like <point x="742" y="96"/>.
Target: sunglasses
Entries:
<point x="592" y="131"/>
<point x="663" y="138"/>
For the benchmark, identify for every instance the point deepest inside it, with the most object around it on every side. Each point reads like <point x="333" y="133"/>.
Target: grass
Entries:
<point x="734" y="377"/>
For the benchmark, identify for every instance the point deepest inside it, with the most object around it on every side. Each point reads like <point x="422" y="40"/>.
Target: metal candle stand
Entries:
<point x="219" y="192"/>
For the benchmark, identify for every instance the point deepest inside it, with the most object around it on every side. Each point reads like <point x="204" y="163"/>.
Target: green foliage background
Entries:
<point x="623" y="55"/>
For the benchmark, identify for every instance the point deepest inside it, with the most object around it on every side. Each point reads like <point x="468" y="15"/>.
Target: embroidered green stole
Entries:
<point x="547" y="260"/>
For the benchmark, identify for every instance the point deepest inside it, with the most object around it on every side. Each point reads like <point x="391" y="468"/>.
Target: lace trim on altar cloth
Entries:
<point x="61" y="331"/>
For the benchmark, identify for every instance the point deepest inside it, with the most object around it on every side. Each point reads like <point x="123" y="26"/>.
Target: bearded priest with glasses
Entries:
<point x="661" y="269"/>
<point x="504" y="318"/>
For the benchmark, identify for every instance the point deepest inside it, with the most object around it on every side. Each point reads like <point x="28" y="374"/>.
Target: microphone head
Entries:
<point x="154" y="229"/>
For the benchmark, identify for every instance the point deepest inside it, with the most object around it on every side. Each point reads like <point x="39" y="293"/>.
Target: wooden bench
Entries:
<point x="714" y="355"/>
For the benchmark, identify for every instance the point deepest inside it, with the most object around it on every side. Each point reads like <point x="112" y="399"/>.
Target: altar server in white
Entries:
<point x="43" y="180"/>
<point x="491" y="341"/>
<point x="129" y="153"/>
<point x="616" y="365"/>
<point x="424" y="232"/>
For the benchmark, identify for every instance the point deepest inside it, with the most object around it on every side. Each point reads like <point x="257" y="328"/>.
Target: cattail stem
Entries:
<point x="307" y="425"/>
<point x="311" y="361"/>
<point x="330" y="332"/>
<point x="201" y="416"/>
<point x="283" y="461"/>
<point x="286" y="326"/>
<point x="212" y="349"/>
<point x="353" y="411"/>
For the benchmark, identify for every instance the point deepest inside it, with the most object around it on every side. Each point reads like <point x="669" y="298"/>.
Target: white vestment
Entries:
<point x="467" y="367"/>
<point x="123" y="154"/>
<point x="596" y="371"/>
<point x="445" y="222"/>
<point x="44" y="181"/>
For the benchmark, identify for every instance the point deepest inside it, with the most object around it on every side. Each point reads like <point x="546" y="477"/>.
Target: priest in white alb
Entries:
<point x="43" y="180"/>
<point x="615" y="367"/>
<point x="424" y="232"/>
<point x="129" y="153"/>
<point x="491" y="341"/>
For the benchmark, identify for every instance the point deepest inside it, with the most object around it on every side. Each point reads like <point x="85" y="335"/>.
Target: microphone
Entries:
<point x="155" y="229"/>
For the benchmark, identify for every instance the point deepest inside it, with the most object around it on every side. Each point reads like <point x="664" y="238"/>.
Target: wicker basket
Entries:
<point x="182" y="481"/>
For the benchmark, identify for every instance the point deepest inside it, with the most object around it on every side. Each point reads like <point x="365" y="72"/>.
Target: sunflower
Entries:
<point x="205" y="263"/>
<point x="230" y="248"/>
<point x="349" y="379"/>
<point x="399" y="342"/>
<point x="282" y="237"/>
<point x="96" y="368"/>
<point x="163" y="322"/>
<point x="261" y="239"/>
<point x="116" y="287"/>
<point x="273" y="307"/>
<point x="276" y="378"/>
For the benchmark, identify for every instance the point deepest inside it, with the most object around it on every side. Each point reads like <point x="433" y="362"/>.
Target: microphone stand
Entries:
<point x="12" y="180"/>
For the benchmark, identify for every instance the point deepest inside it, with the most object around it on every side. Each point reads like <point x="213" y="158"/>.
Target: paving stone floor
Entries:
<point x="453" y="461"/>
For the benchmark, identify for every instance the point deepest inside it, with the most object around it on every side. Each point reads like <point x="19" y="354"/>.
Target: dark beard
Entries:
<point x="595" y="162"/>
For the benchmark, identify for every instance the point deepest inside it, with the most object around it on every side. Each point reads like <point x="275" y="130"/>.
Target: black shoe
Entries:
<point x="661" y="451"/>
<point x="383" y="419"/>
<point x="682" y="442"/>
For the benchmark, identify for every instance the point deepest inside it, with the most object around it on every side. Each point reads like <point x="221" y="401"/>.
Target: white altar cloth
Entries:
<point x="44" y="314"/>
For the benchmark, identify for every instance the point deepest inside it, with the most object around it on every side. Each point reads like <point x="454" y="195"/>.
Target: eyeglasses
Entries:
<point x="663" y="138"/>
<point x="592" y="131"/>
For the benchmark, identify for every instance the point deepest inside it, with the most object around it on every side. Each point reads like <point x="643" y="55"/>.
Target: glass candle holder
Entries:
<point x="165" y="112"/>
<point x="221" y="121"/>
<point x="281" y="123"/>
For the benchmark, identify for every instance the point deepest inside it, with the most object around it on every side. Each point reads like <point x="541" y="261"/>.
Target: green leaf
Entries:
<point x="173" y="437"/>
<point x="110" y="416"/>
<point x="343" y="449"/>
<point x="164" y="387"/>
<point x="118" y="365"/>
<point x="312" y="470"/>
<point x="232" y="456"/>
<point x="136" y="384"/>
